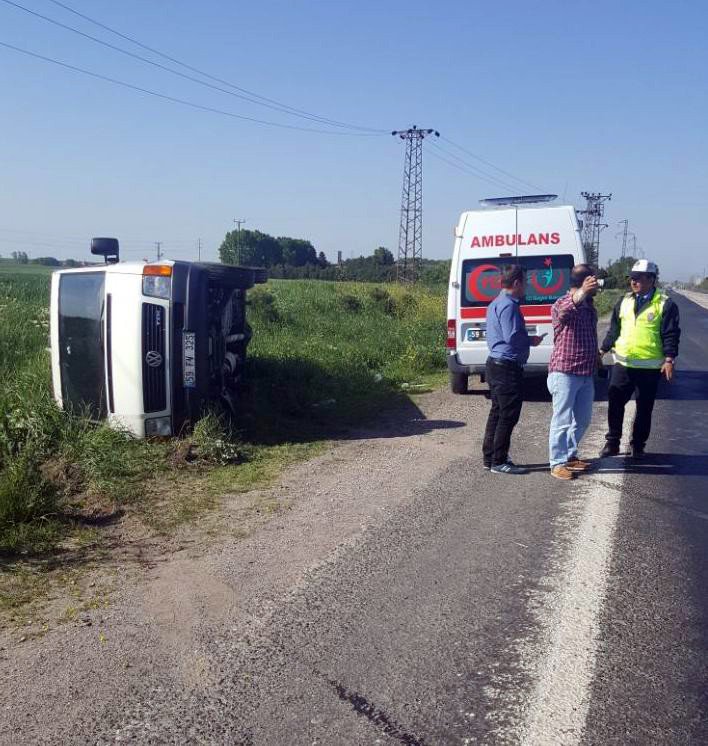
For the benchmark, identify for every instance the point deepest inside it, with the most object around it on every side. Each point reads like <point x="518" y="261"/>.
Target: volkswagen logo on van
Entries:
<point x="153" y="359"/>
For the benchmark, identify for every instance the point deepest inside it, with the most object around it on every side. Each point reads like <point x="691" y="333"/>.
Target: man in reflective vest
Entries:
<point x="644" y="335"/>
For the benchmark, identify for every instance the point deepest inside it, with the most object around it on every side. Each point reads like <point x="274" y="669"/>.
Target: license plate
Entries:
<point x="474" y="335"/>
<point x="189" y="366"/>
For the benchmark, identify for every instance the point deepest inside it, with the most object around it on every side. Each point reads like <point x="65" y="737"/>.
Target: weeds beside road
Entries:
<point x="322" y="356"/>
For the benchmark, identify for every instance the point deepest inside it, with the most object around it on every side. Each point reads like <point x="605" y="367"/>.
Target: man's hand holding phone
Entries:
<point x="536" y="339"/>
<point x="590" y="287"/>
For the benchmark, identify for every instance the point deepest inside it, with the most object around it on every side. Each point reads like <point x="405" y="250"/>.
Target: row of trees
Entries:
<point x="616" y="272"/>
<point x="296" y="258"/>
<point x="21" y="257"/>
<point x="254" y="248"/>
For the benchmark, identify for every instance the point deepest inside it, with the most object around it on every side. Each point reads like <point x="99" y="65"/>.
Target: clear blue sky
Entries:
<point x="608" y="96"/>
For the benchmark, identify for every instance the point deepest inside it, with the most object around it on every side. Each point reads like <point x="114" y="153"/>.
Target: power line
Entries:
<point x="191" y="78"/>
<point x="182" y="101"/>
<point x="472" y="170"/>
<point x="262" y="100"/>
<point x="61" y="245"/>
<point x="489" y="163"/>
<point x="469" y="172"/>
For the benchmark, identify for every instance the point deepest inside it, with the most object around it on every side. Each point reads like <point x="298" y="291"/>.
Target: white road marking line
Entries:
<point x="570" y="617"/>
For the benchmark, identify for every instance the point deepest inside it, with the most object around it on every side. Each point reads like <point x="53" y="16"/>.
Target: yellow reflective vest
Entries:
<point x="639" y="343"/>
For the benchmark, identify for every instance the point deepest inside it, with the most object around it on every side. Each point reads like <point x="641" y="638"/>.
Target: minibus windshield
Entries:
<point x="547" y="278"/>
<point x="81" y="299"/>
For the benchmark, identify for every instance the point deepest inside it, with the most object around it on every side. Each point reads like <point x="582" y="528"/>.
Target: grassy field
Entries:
<point x="323" y="356"/>
<point x="606" y="300"/>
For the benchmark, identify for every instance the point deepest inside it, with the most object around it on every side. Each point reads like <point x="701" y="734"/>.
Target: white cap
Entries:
<point x="644" y="265"/>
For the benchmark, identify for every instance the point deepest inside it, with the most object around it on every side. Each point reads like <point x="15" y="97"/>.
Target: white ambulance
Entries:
<point x="544" y="239"/>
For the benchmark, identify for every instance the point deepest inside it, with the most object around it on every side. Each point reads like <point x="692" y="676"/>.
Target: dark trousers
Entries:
<point x="623" y="383"/>
<point x="506" y="388"/>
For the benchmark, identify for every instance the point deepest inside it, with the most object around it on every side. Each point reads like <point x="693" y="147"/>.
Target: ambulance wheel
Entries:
<point x="458" y="383"/>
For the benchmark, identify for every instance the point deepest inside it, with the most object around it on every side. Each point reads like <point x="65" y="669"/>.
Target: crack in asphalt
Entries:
<point x="375" y="715"/>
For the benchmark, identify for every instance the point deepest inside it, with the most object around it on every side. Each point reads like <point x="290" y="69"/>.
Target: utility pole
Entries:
<point x="410" y="236"/>
<point x="237" y="223"/>
<point x="593" y="225"/>
<point x="199" y="249"/>
<point x="158" y="246"/>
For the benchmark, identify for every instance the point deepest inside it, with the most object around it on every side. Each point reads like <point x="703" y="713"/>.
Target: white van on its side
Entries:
<point x="544" y="239"/>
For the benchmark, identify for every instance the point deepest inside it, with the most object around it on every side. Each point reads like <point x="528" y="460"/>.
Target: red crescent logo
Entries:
<point x="549" y="290"/>
<point x="473" y="280"/>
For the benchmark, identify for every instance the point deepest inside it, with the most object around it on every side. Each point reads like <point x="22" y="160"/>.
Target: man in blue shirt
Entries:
<point x="509" y="344"/>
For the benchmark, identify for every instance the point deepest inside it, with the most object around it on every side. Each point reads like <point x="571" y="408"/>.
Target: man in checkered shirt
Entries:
<point x="571" y="371"/>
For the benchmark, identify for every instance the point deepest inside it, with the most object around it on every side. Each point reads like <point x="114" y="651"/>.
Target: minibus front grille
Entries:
<point x="154" y="378"/>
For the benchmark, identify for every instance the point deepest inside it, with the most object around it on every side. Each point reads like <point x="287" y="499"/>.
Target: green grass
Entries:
<point x="324" y="356"/>
<point x="605" y="301"/>
<point x="12" y="268"/>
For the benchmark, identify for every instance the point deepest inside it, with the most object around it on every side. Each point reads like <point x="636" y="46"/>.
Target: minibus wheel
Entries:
<point x="458" y="383"/>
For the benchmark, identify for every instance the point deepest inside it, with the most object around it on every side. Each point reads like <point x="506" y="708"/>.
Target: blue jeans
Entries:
<point x="572" y="412"/>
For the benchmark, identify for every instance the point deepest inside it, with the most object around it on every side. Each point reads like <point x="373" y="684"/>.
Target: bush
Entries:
<point x="262" y="303"/>
<point x="25" y="495"/>
<point x="214" y="441"/>
<point x="351" y="303"/>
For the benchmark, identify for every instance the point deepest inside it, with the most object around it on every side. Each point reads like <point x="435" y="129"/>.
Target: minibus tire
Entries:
<point x="458" y="383"/>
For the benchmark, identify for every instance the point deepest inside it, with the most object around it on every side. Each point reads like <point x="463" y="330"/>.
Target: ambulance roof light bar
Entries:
<point x="524" y="199"/>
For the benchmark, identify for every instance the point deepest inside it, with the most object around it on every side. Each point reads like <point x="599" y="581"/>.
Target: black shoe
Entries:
<point x="487" y="467"/>
<point x="508" y="468"/>
<point x="638" y="453"/>
<point x="610" y="449"/>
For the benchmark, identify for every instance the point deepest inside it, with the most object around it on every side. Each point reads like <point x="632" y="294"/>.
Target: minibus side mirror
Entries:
<point x="107" y="248"/>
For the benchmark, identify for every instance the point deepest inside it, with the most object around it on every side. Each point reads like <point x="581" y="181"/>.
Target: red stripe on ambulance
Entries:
<point x="537" y="313"/>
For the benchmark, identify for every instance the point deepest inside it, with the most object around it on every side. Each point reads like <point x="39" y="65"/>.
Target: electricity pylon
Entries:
<point x="410" y="236"/>
<point x="593" y="225"/>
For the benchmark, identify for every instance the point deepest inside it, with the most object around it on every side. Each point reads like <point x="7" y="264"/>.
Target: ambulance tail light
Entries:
<point x="451" y="334"/>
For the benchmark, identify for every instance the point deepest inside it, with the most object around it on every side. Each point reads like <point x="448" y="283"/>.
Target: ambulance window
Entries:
<point x="547" y="278"/>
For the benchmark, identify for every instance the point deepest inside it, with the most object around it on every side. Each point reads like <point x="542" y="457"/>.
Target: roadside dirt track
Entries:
<point x="60" y="686"/>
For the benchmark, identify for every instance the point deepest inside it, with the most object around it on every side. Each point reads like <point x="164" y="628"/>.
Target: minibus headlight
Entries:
<point x="158" y="426"/>
<point x="157" y="286"/>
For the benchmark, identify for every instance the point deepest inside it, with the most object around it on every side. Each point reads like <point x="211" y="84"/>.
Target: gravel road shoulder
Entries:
<point x="60" y="687"/>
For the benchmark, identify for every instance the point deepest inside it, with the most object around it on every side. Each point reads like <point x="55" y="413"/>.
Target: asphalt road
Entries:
<point x="484" y="609"/>
<point x="494" y="610"/>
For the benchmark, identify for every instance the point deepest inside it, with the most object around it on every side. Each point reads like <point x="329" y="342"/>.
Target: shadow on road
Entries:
<point x="534" y="390"/>
<point x="294" y="400"/>
<point x="653" y="464"/>
<point x="688" y="385"/>
<point x="656" y="464"/>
